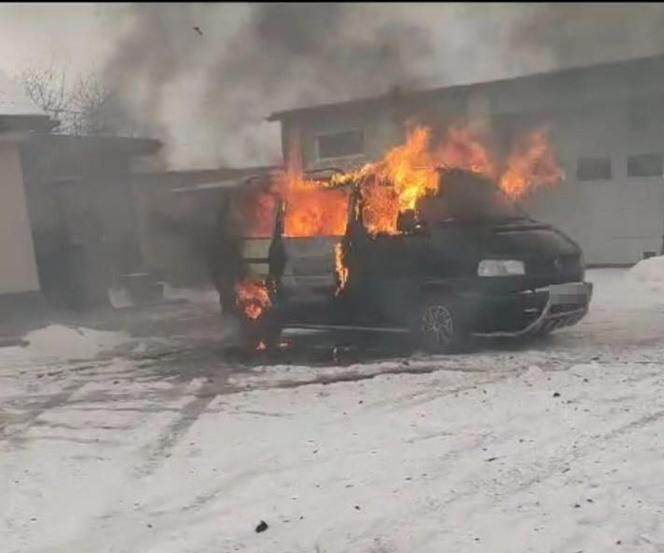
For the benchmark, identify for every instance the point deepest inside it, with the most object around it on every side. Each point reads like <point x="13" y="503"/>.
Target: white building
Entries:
<point x="19" y="282"/>
<point x="607" y="127"/>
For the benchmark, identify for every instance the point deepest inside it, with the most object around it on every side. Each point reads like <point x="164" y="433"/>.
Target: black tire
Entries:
<point x="439" y="325"/>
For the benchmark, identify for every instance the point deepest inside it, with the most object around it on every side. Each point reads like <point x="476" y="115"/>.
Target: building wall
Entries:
<point x="616" y="220"/>
<point x="18" y="270"/>
<point x="82" y="217"/>
<point x="171" y="230"/>
<point x="380" y="131"/>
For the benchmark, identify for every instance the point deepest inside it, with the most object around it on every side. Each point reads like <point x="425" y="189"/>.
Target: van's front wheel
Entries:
<point x="438" y="326"/>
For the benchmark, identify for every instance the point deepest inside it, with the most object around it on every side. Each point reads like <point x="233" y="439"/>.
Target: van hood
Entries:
<point x="527" y="240"/>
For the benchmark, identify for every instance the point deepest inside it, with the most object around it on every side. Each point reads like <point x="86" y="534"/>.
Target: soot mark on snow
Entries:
<point x="28" y="418"/>
<point x="357" y="377"/>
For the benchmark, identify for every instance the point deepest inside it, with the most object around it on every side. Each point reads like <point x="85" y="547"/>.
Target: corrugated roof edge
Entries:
<point x="376" y="100"/>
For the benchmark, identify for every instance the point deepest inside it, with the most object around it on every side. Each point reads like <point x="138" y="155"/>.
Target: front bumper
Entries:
<point x="530" y="312"/>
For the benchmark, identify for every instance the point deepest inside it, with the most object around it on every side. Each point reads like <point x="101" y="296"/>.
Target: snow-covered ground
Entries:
<point x="554" y="446"/>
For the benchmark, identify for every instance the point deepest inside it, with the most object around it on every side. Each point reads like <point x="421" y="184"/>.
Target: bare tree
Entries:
<point x="86" y="107"/>
<point x="48" y="89"/>
<point x="93" y="102"/>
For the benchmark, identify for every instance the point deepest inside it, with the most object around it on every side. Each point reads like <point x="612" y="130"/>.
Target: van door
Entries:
<point x="309" y="275"/>
<point x="309" y="280"/>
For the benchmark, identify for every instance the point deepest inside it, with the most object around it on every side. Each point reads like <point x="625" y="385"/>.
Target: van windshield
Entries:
<point x="468" y="197"/>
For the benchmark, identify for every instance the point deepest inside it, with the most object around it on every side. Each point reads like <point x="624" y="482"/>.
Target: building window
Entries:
<point x="644" y="165"/>
<point x="593" y="168"/>
<point x="340" y="144"/>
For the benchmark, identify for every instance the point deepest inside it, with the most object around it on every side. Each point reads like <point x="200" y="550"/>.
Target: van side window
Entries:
<point x="644" y="165"/>
<point x="593" y="168"/>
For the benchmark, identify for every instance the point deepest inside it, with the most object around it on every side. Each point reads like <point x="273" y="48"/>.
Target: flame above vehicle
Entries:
<point x="531" y="163"/>
<point x="394" y="184"/>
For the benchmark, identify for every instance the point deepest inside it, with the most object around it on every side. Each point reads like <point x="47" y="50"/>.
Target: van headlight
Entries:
<point x="500" y="267"/>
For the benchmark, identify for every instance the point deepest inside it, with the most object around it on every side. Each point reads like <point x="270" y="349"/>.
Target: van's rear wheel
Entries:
<point x="439" y="326"/>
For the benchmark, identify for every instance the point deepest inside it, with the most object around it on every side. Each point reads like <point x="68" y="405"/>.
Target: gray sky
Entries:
<point x="80" y="36"/>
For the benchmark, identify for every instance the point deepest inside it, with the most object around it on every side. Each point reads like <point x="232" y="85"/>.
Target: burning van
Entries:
<point x="441" y="253"/>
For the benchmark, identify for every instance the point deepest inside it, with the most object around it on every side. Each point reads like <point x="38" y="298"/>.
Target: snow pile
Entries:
<point x="650" y="272"/>
<point x="119" y="298"/>
<point x="633" y="292"/>
<point x="72" y="343"/>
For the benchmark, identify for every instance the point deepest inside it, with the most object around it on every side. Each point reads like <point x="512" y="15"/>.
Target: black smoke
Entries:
<point x="280" y="55"/>
<point x="204" y="76"/>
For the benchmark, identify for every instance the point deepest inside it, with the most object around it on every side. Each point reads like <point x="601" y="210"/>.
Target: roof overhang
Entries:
<point x="25" y="124"/>
<point x="643" y="65"/>
<point x="129" y="145"/>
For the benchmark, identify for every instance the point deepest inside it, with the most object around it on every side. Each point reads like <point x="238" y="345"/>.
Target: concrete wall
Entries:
<point x="18" y="269"/>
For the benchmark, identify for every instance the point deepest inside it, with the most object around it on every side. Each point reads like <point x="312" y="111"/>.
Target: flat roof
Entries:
<point x="137" y="146"/>
<point x="371" y="101"/>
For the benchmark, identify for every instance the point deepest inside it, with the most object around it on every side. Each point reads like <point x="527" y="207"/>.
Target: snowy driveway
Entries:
<point x="556" y="446"/>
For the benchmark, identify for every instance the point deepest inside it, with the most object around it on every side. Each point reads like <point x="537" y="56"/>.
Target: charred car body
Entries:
<point x="468" y="261"/>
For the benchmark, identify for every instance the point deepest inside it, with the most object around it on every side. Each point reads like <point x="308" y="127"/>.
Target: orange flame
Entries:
<point x="259" y="209"/>
<point x="532" y="163"/>
<point x="397" y="182"/>
<point x="313" y="211"/>
<point x="406" y="174"/>
<point x="463" y="149"/>
<point x="340" y="267"/>
<point x="253" y="298"/>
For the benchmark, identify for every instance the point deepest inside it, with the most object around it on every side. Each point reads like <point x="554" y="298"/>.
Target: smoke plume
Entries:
<point x="204" y="77"/>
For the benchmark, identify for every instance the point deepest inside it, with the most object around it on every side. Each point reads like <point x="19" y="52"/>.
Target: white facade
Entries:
<point x="616" y="220"/>
<point x="18" y="269"/>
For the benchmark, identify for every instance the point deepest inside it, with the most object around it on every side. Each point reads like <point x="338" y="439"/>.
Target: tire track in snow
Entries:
<point x="157" y="452"/>
<point x="26" y="420"/>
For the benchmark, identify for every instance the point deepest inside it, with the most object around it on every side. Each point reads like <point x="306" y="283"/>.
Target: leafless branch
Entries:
<point x="86" y="107"/>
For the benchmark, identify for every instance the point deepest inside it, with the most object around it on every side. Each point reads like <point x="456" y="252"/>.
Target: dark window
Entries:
<point x="340" y="144"/>
<point x="593" y="168"/>
<point x="644" y="165"/>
